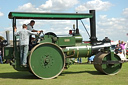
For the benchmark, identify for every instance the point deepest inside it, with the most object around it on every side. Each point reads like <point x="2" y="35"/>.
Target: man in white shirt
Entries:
<point x="30" y="28"/>
<point x="24" y="42"/>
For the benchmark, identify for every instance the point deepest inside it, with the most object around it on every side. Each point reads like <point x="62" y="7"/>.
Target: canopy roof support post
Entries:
<point x="14" y="38"/>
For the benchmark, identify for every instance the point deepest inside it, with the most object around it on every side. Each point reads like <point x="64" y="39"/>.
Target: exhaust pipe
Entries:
<point x="93" y="38"/>
<point x="7" y="37"/>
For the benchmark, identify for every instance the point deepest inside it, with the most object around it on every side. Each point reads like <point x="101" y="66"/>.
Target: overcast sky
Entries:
<point x="111" y="16"/>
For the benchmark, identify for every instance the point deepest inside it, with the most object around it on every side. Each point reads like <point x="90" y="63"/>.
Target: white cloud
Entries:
<point x="114" y="28"/>
<point x="94" y="5"/>
<point x="58" y="5"/>
<point x="27" y="7"/>
<point x="50" y="5"/>
<point x="1" y="14"/>
<point x="125" y="12"/>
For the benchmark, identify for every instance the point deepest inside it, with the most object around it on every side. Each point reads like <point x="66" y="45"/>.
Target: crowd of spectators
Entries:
<point x="120" y="49"/>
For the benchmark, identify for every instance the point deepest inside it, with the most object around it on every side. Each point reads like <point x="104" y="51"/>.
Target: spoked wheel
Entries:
<point x="105" y="64"/>
<point x="46" y="60"/>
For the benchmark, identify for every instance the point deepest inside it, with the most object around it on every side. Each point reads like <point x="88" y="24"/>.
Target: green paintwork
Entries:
<point x="46" y="60"/>
<point x="83" y="50"/>
<point x="78" y="39"/>
<point x="31" y="15"/>
<point x="48" y="38"/>
<point x="111" y="68"/>
<point x="8" y="52"/>
<point x="62" y="40"/>
<point x="66" y="41"/>
<point x="112" y="54"/>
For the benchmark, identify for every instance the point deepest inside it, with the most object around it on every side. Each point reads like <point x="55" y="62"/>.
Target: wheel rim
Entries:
<point x="110" y="69"/>
<point x="46" y="60"/>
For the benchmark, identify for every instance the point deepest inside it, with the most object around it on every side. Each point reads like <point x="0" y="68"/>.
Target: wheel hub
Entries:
<point x="46" y="61"/>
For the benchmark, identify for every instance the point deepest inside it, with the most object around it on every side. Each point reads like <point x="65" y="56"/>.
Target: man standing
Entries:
<point x="30" y="28"/>
<point x="24" y="42"/>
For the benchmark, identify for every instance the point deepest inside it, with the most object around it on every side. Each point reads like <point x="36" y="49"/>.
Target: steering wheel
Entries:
<point x="39" y="36"/>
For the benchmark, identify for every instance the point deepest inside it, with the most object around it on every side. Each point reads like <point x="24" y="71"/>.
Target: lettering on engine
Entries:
<point x="66" y="40"/>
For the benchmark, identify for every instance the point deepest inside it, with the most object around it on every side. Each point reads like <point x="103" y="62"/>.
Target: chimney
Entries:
<point x="93" y="38"/>
<point x="7" y="37"/>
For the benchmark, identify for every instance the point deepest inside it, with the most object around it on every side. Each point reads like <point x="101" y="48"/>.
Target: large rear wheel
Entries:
<point x="46" y="60"/>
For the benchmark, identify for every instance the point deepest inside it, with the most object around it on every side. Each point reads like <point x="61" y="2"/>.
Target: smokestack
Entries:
<point x="93" y="38"/>
<point x="7" y="37"/>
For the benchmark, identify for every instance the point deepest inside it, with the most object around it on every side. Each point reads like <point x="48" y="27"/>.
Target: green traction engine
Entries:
<point x="49" y="56"/>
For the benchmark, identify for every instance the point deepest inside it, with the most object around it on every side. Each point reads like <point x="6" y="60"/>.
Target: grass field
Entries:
<point x="75" y="75"/>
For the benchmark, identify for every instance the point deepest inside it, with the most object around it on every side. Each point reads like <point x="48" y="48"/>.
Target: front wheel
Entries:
<point x="107" y="65"/>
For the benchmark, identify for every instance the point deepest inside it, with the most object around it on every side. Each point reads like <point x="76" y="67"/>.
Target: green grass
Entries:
<point x="75" y="75"/>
